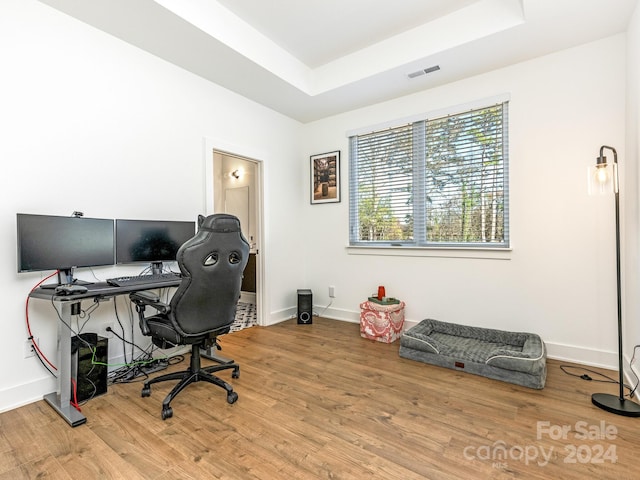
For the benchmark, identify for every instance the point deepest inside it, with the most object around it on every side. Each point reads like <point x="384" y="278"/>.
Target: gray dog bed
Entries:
<point x="512" y="357"/>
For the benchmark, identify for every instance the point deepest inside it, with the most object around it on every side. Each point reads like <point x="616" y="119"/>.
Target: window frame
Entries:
<point x="420" y="243"/>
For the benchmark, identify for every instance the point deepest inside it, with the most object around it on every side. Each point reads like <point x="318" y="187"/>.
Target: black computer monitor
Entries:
<point x="151" y="241"/>
<point x="49" y="242"/>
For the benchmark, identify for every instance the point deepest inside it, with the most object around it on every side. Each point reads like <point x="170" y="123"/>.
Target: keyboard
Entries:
<point x="133" y="280"/>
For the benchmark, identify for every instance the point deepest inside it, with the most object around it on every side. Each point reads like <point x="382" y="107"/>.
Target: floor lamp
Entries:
<point x="603" y="178"/>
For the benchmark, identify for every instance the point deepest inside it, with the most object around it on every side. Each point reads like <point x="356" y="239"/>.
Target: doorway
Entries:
<point x="236" y="189"/>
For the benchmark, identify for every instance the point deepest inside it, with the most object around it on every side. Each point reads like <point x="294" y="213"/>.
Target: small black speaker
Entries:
<point x="305" y="306"/>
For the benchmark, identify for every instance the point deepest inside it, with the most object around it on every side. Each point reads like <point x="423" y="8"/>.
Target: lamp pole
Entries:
<point x="618" y="405"/>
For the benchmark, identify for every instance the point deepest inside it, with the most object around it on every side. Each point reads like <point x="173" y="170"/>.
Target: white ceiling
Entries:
<point x="320" y="31"/>
<point x="310" y="59"/>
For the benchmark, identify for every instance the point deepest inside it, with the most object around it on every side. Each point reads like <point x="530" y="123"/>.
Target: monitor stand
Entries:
<point x="156" y="268"/>
<point x="65" y="277"/>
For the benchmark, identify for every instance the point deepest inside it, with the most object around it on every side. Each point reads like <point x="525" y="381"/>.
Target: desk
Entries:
<point x="60" y="400"/>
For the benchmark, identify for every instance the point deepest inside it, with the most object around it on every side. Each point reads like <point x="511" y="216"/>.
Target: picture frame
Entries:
<point x="325" y="177"/>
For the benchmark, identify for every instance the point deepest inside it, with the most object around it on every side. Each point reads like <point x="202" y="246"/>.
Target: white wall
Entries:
<point x="559" y="280"/>
<point x="631" y="194"/>
<point x="90" y="123"/>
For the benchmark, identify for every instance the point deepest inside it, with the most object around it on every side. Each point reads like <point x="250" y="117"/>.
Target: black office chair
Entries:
<point x="202" y="307"/>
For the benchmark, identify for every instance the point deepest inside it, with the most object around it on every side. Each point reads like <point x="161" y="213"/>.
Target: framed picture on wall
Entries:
<point x="325" y="177"/>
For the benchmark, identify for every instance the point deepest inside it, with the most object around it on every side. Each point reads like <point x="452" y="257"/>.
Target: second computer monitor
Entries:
<point x="151" y="241"/>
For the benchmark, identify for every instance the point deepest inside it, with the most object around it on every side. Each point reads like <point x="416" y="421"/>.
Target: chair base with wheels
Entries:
<point x="195" y="373"/>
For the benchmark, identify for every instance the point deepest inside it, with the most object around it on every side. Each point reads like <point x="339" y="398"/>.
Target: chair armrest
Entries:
<point x="144" y="299"/>
<point x="148" y="299"/>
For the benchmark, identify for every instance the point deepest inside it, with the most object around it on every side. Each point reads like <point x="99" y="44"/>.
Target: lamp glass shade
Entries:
<point x="603" y="179"/>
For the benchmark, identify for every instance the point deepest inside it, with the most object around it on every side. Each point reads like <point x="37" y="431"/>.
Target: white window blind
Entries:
<point x="433" y="182"/>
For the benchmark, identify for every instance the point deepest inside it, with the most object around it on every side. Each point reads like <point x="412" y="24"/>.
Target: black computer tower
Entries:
<point x="305" y="306"/>
<point x="88" y="371"/>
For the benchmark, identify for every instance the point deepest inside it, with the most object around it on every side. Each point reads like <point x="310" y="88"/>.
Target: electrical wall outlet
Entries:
<point x="29" y="349"/>
<point x="332" y="291"/>
<point x="108" y="331"/>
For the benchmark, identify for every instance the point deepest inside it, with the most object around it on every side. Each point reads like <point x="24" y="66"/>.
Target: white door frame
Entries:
<point x="209" y="146"/>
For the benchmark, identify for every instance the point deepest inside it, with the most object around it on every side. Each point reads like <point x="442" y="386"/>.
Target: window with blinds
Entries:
<point x="432" y="182"/>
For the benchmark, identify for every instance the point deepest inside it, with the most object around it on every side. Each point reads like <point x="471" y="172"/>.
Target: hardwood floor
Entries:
<point x="319" y="401"/>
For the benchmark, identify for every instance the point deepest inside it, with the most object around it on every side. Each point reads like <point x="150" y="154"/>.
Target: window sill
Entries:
<point x="436" y="252"/>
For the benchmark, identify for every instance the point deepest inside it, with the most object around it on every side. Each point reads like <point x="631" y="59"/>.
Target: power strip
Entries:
<point x="146" y="369"/>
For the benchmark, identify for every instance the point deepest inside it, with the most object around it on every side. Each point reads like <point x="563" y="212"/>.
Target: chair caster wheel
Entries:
<point x="146" y="391"/>
<point x="232" y="397"/>
<point x="167" y="412"/>
<point x="235" y="374"/>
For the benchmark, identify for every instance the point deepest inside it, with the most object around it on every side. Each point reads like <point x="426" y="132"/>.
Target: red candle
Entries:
<point x="381" y="292"/>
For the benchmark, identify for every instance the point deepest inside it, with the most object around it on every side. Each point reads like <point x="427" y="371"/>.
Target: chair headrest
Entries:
<point x="219" y="222"/>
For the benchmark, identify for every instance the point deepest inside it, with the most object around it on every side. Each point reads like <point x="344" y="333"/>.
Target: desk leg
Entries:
<point x="60" y="400"/>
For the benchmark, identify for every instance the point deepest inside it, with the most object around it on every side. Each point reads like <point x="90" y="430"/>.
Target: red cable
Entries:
<point x="33" y="342"/>
<point x="74" y="403"/>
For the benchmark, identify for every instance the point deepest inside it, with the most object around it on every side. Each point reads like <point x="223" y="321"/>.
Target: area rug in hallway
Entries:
<point x="246" y="316"/>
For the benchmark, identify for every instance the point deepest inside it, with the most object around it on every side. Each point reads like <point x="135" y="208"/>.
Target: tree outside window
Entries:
<point x="435" y="182"/>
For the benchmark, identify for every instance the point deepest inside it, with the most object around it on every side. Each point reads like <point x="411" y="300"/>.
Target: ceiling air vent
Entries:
<point x="424" y="71"/>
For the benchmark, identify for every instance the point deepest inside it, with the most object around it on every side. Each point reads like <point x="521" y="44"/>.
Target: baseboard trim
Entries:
<point x="248" y="297"/>
<point x="583" y="356"/>
<point x="556" y="351"/>
<point x="20" y="395"/>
